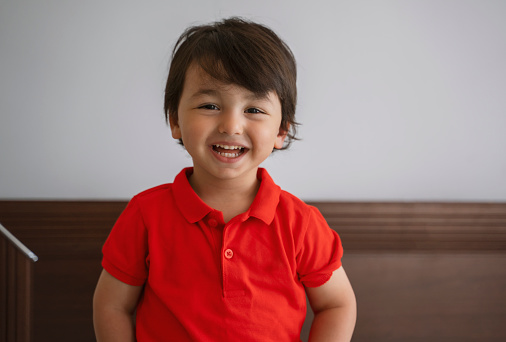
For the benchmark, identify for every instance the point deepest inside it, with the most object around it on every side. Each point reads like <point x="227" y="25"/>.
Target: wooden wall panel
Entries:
<point x="421" y="271"/>
<point x="16" y="289"/>
<point x="67" y="237"/>
<point x="428" y="296"/>
<point x="424" y="271"/>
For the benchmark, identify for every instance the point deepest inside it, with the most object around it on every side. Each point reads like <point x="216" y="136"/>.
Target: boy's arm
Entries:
<point x="335" y="309"/>
<point x="114" y="303"/>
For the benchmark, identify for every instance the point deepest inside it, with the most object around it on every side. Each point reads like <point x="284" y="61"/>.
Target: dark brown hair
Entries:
<point x="241" y="52"/>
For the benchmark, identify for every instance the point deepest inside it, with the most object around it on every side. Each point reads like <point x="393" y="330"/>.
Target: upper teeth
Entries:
<point x="226" y="147"/>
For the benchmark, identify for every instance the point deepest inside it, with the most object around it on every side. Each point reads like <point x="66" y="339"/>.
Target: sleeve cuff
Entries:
<point x="122" y="276"/>
<point x="316" y="280"/>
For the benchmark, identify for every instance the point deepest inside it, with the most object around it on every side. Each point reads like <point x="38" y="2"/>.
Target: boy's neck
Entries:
<point x="230" y="196"/>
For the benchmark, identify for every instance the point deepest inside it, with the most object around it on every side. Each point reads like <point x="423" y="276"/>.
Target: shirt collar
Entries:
<point x="188" y="202"/>
<point x="267" y="198"/>
<point x="194" y="209"/>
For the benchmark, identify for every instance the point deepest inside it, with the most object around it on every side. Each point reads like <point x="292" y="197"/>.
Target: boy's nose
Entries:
<point x="231" y="123"/>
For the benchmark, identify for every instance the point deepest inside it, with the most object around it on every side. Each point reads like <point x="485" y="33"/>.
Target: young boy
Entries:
<point x="222" y="253"/>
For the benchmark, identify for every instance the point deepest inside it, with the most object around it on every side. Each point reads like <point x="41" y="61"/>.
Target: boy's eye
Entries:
<point x="254" y="111"/>
<point x="209" y="106"/>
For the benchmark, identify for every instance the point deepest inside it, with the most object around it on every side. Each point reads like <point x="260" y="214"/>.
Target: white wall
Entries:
<point x="399" y="100"/>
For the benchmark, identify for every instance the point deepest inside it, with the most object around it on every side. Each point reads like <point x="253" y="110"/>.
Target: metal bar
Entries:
<point x="18" y="244"/>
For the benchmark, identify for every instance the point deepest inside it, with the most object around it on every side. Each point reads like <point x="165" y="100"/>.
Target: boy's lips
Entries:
<point x="228" y="150"/>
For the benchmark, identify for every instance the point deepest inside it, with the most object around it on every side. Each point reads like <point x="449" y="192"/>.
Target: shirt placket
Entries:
<point x="231" y="261"/>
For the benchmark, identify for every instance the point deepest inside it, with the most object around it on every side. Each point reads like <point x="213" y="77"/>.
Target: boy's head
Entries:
<point x="236" y="51"/>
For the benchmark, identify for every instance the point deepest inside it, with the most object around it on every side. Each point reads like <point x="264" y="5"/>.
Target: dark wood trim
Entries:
<point x="56" y="228"/>
<point x="418" y="226"/>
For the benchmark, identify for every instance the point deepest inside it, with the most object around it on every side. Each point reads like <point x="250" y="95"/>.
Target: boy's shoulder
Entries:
<point x="288" y="197"/>
<point x="154" y="193"/>
<point x="292" y="203"/>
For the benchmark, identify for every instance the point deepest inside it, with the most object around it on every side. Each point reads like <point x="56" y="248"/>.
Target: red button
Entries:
<point x="229" y="254"/>
<point x="212" y="222"/>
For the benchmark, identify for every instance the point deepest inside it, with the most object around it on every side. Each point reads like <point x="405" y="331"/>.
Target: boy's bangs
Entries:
<point x="232" y="67"/>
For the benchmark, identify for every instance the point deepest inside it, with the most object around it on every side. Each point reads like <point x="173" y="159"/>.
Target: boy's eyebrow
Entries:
<point x="204" y="91"/>
<point x="214" y="92"/>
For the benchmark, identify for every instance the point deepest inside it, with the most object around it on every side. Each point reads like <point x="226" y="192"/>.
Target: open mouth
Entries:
<point x="228" y="151"/>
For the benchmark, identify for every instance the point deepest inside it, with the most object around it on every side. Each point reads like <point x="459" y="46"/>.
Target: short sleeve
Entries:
<point x="125" y="251"/>
<point x="320" y="251"/>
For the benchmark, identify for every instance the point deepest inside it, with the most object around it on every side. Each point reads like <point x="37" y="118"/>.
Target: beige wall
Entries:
<point x="399" y="100"/>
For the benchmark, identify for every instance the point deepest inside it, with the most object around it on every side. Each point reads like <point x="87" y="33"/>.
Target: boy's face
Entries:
<point x="227" y="130"/>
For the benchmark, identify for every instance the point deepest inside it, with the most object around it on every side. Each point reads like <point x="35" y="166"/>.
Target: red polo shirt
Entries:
<point x="210" y="281"/>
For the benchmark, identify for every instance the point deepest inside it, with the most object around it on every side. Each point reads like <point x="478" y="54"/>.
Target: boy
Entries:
<point x="222" y="253"/>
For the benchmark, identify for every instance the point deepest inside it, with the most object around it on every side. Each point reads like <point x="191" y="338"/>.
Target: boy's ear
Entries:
<point x="280" y="139"/>
<point x="174" y="128"/>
